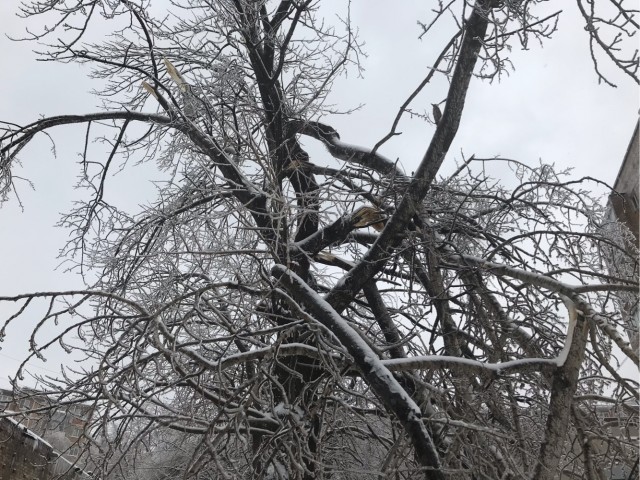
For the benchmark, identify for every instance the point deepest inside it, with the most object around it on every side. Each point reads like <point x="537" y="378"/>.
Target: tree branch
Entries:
<point x="379" y="378"/>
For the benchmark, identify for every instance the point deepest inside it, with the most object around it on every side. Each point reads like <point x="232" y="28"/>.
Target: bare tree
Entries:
<point x="272" y="316"/>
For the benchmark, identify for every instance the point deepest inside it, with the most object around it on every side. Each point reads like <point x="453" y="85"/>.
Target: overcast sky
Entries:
<point x="550" y="109"/>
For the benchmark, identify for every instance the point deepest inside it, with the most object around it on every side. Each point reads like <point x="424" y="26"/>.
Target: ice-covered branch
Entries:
<point x="474" y="31"/>
<point x="570" y="291"/>
<point x="523" y="365"/>
<point x="346" y="151"/>
<point x="379" y="378"/>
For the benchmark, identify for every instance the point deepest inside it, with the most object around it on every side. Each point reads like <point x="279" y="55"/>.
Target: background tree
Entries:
<point x="273" y="316"/>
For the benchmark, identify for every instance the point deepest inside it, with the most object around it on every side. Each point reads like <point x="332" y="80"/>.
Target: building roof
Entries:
<point x="629" y="155"/>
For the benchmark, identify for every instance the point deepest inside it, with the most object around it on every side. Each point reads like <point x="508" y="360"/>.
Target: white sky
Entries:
<point x="550" y="108"/>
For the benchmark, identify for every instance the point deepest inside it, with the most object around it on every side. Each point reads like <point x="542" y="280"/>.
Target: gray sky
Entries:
<point x="550" y="109"/>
